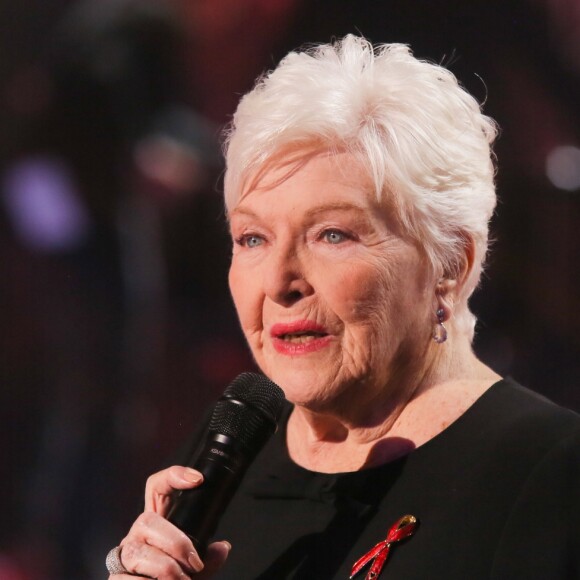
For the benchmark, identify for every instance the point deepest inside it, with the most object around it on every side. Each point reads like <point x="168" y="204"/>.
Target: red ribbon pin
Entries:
<point x="402" y="529"/>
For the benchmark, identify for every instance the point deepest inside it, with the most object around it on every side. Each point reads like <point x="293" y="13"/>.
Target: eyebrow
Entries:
<point x="337" y="206"/>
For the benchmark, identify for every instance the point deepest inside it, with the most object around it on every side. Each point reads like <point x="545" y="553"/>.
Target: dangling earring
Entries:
<point x="440" y="332"/>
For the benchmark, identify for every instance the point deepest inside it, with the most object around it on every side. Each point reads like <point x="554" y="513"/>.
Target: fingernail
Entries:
<point x="195" y="561"/>
<point x="191" y="475"/>
<point x="227" y="545"/>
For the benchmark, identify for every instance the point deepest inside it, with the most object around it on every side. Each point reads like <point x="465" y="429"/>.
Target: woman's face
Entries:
<point x="334" y="301"/>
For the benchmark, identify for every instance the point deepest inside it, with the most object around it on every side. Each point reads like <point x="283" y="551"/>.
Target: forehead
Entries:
<point x="315" y="184"/>
<point x="311" y="176"/>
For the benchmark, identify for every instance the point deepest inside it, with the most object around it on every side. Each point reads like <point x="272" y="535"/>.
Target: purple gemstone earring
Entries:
<point x="440" y="332"/>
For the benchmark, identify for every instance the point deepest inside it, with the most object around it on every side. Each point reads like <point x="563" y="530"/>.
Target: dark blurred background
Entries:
<point x="116" y="325"/>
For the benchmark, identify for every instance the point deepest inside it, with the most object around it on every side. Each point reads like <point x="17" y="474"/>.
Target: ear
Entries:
<point x="450" y="286"/>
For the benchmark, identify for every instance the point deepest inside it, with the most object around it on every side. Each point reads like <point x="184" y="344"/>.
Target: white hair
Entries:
<point x="422" y="138"/>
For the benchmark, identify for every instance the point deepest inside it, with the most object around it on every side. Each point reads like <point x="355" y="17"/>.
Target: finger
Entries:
<point x="154" y="530"/>
<point x="215" y="557"/>
<point x="151" y="562"/>
<point x="162" y="484"/>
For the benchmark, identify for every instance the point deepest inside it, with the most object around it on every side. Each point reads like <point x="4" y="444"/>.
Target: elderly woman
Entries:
<point x="359" y="188"/>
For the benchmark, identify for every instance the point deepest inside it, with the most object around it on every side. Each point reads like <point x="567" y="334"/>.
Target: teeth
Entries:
<point x="301" y="337"/>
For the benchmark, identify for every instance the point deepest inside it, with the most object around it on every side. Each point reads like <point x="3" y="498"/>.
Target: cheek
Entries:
<point x="361" y="292"/>
<point x="246" y="294"/>
<point x="240" y="292"/>
<point x="379" y="299"/>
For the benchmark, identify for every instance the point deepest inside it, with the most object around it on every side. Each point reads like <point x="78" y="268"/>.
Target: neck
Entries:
<point x="406" y="413"/>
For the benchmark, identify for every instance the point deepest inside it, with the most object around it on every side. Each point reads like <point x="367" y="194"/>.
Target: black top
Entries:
<point x="497" y="495"/>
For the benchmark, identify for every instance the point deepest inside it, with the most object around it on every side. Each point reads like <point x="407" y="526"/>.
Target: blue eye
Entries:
<point x="253" y="241"/>
<point x="250" y="241"/>
<point x="334" y="236"/>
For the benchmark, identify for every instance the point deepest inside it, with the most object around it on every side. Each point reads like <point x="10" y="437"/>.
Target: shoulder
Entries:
<point x="541" y="442"/>
<point x="519" y="415"/>
<point x="517" y="431"/>
<point x="501" y="485"/>
<point x="507" y="443"/>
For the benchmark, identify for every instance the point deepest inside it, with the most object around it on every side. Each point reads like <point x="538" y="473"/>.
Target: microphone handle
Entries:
<point x="198" y="511"/>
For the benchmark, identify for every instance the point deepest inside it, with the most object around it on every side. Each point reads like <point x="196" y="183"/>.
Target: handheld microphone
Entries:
<point x="244" y="418"/>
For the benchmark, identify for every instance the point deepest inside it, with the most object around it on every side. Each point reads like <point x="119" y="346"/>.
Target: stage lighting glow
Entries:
<point x="563" y="167"/>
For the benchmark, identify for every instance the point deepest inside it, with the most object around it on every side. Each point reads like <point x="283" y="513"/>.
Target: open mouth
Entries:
<point x="301" y="337"/>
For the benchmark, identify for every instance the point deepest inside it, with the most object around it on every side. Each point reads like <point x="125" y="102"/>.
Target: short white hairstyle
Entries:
<point x="422" y="138"/>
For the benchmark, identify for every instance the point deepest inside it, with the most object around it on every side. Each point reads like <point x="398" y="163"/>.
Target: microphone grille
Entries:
<point x="249" y="409"/>
<point x="259" y="392"/>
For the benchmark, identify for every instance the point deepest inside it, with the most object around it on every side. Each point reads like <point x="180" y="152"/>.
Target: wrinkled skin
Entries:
<point x="154" y="548"/>
<point x="312" y="245"/>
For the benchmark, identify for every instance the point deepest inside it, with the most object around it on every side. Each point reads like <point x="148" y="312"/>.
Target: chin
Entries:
<point x="307" y="388"/>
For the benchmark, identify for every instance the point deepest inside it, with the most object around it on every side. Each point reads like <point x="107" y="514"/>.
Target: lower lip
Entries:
<point x="298" y="348"/>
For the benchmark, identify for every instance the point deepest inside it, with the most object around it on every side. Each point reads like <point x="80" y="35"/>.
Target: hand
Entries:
<point x="155" y="548"/>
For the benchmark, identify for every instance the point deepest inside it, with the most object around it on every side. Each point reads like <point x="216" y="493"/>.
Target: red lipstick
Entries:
<point x="299" y="337"/>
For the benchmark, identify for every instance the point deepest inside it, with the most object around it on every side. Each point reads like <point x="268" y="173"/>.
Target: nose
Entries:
<point x="285" y="278"/>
